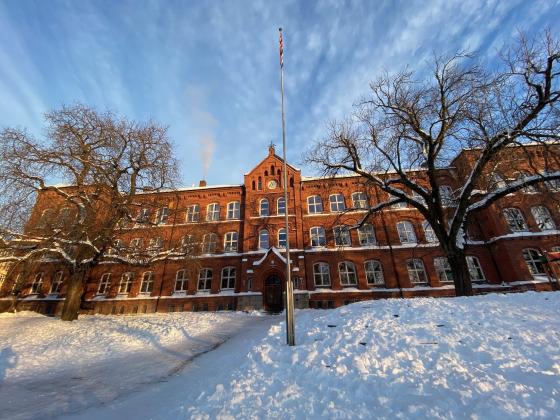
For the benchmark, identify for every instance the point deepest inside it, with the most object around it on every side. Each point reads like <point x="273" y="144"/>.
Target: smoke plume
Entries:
<point x="207" y="146"/>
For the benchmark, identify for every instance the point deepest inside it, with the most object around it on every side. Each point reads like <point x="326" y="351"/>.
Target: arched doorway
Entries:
<point x="273" y="300"/>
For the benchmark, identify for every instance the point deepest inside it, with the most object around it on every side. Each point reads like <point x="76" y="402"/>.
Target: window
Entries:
<point x="374" y="273"/>
<point x="136" y="244"/>
<point x="57" y="282"/>
<point x="126" y="283"/>
<point x="542" y="217"/>
<point x="475" y="269"/>
<point x="314" y="204"/>
<point x="359" y="200"/>
<point x="418" y="198"/>
<point x="64" y="216"/>
<point x="163" y="215"/>
<point x="233" y="210"/>
<point x="230" y="242"/>
<point x="209" y="242"/>
<point x="337" y="203"/>
<point x="104" y="284"/>
<point x="205" y="279"/>
<point x="281" y="206"/>
<point x="496" y="181"/>
<point x="187" y="244"/>
<point x="416" y="271"/>
<point x="143" y="215"/>
<point x="366" y="235"/>
<point x="282" y="238"/>
<point x="213" y="212"/>
<point x="342" y="236"/>
<point x="318" y="237"/>
<point x="263" y="207"/>
<point x="259" y="183"/>
<point x="399" y="205"/>
<point x="446" y="195"/>
<point x="515" y="219"/>
<point x="147" y="284"/>
<point x="263" y="239"/>
<point x="406" y="232"/>
<point x="47" y="218"/>
<point x="37" y="284"/>
<point x="443" y="270"/>
<point x="228" y="278"/>
<point x="529" y="188"/>
<point x="347" y="271"/>
<point x="193" y="213"/>
<point x="321" y="274"/>
<point x="429" y="233"/>
<point x="156" y="244"/>
<point x="534" y="261"/>
<point x="553" y="185"/>
<point x="181" y="281"/>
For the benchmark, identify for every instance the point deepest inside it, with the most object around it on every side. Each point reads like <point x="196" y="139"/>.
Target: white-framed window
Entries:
<point x="181" y="281"/>
<point x="209" y="242"/>
<point x="359" y="200"/>
<point x="282" y="238"/>
<point x="417" y="197"/>
<point x="104" y="284"/>
<point x="264" y="239"/>
<point x="56" y="284"/>
<point x="529" y="188"/>
<point x="64" y="216"/>
<point x="126" y="282"/>
<point x="228" y="278"/>
<point x="187" y="244"/>
<point x="281" y="206"/>
<point x="405" y="229"/>
<point x="156" y="244"/>
<point x="416" y="271"/>
<point x="342" y="236"/>
<point x="374" y="273"/>
<point x="212" y="212"/>
<point x="443" y="270"/>
<point x="37" y="283"/>
<point x="534" y="261"/>
<point x="163" y="215"/>
<point x="475" y="269"/>
<point x="542" y="217"/>
<point x="318" y="236"/>
<point x="314" y="204"/>
<point x="321" y="274"/>
<point x="366" y="235"/>
<point x="347" y="272"/>
<point x="515" y="220"/>
<point x="230" y="242"/>
<point x="47" y="218"/>
<point x="429" y="233"/>
<point x="136" y="244"/>
<point x="143" y="215"/>
<point x="233" y="210"/>
<point x="446" y="195"/>
<point x="147" y="284"/>
<point x="496" y="181"/>
<point x="264" y="207"/>
<point x="337" y="203"/>
<point x="552" y="185"/>
<point x="205" y="279"/>
<point x="193" y="213"/>
<point x="399" y="205"/>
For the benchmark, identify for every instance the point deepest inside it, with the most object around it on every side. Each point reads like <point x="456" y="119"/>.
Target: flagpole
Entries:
<point x="290" y="332"/>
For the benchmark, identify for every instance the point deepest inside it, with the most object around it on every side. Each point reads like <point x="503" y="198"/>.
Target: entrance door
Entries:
<point x="273" y="294"/>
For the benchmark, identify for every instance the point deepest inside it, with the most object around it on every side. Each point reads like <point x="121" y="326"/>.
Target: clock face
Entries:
<point x="272" y="185"/>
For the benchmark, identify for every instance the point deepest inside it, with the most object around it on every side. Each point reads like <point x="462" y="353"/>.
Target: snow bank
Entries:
<point x="493" y="356"/>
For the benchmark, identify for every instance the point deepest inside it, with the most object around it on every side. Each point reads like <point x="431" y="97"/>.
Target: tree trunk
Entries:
<point x="73" y="298"/>
<point x="460" y="270"/>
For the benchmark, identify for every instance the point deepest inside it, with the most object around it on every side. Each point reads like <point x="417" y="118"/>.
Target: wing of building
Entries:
<point x="238" y="234"/>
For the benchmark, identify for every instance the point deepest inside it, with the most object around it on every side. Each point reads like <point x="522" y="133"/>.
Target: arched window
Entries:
<point x="181" y="281"/>
<point x="281" y="206"/>
<point x="147" y="284"/>
<point x="534" y="261"/>
<point x="104" y="284"/>
<point x="264" y="207"/>
<point x="542" y="217"/>
<point x="366" y="235"/>
<point x="233" y="210"/>
<point x="213" y="212"/>
<point x="347" y="272"/>
<point x="314" y="204"/>
<point x="321" y="274"/>
<point x="264" y="239"/>
<point x="193" y="213"/>
<point x="282" y="238"/>
<point x="342" y="236"/>
<point x="187" y="244"/>
<point x="443" y="270"/>
<point x="57" y="283"/>
<point x="259" y="183"/>
<point x="47" y="218"/>
<point x="205" y="279"/>
<point x="265" y="173"/>
<point x="228" y="278"/>
<point x="318" y="237"/>
<point x="515" y="219"/>
<point x="337" y="203"/>
<point x="406" y="233"/>
<point x="292" y="182"/>
<point x="271" y="169"/>
<point x="416" y="271"/>
<point x="475" y="269"/>
<point x="253" y="185"/>
<point x="230" y="242"/>
<point x="429" y="233"/>
<point x="359" y="200"/>
<point x="126" y="283"/>
<point x="37" y="285"/>
<point x="209" y="242"/>
<point x="374" y="273"/>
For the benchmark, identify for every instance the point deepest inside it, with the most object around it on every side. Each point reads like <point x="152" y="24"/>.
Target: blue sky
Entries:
<point x="209" y="69"/>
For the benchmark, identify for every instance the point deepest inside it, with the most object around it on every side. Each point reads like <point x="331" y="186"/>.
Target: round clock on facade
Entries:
<point x="272" y="185"/>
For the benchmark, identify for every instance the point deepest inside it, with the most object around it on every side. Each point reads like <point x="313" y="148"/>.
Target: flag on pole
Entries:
<point x="281" y="49"/>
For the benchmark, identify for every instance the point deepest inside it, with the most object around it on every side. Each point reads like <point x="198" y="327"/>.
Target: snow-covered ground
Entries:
<point x="494" y="356"/>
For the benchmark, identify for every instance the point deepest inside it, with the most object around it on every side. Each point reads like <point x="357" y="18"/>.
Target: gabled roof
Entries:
<point x="278" y="158"/>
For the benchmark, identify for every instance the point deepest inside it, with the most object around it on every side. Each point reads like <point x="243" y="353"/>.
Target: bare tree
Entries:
<point x="107" y="164"/>
<point x="410" y="127"/>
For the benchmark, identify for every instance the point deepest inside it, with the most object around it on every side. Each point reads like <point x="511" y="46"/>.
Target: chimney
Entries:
<point x="202" y="183"/>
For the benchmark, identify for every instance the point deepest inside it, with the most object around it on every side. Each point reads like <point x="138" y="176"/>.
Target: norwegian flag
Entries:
<point x="281" y="49"/>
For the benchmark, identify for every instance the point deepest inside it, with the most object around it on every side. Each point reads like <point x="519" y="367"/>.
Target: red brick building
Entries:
<point x="240" y="232"/>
